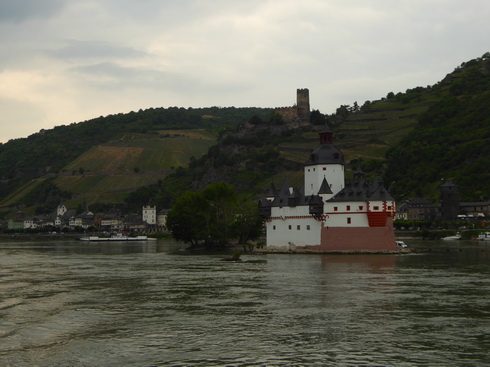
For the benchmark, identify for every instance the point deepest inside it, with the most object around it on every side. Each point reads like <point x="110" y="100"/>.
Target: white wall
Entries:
<point x="292" y="226"/>
<point x="314" y="177"/>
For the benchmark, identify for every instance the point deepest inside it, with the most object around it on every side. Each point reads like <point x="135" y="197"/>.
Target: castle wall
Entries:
<point x="357" y="238"/>
<point x="292" y="227"/>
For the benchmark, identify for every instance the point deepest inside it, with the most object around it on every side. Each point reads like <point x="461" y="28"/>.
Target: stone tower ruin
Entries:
<point x="303" y="104"/>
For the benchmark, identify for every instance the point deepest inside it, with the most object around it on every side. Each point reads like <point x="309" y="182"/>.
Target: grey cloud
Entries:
<point x="115" y="76"/>
<point x="95" y="49"/>
<point x="20" y="10"/>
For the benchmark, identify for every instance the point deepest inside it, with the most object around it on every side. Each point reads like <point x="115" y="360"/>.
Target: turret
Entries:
<point x="325" y="162"/>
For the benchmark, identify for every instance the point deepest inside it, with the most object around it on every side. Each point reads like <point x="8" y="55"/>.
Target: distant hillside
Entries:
<point x="260" y="152"/>
<point x="152" y="142"/>
<point x="413" y="139"/>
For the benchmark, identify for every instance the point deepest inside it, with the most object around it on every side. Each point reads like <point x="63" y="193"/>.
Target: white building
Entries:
<point x="328" y="214"/>
<point x="150" y="214"/>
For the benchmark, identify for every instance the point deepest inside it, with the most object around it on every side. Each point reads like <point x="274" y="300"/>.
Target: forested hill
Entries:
<point x="414" y="139"/>
<point x="450" y="141"/>
<point x="49" y="151"/>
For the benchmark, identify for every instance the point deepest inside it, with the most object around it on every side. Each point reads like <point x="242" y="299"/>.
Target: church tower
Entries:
<point x="303" y="104"/>
<point x="326" y="163"/>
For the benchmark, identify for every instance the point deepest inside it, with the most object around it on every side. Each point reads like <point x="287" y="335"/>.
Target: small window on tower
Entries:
<point x="324" y="168"/>
<point x="289" y="227"/>
<point x="308" y="227"/>
<point x="348" y="208"/>
<point x="376" y="208"/>
<point x="348" y="221"/>
<point x="298" y="227"/>
<point x="360" y="207"/>
<point x="335" y="208"/>
<point x="274" y="228"/>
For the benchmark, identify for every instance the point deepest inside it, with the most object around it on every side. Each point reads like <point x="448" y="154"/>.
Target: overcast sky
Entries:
<point x="68" y="61"/>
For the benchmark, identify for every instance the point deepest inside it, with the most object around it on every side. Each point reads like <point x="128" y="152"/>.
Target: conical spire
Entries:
<point x="272" y="192"/>
<point x="325" y="187"/>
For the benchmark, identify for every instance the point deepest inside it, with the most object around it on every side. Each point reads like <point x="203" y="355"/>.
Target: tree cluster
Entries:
<point x="214" y="217"/>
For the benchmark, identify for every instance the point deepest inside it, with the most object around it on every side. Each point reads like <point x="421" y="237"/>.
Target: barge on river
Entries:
<point x="117" y="237"/>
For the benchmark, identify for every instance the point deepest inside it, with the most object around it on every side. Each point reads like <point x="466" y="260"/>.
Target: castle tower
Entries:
<point x="303" y="104"/>
<point x="449" y="201"/>
<point x="326" y="163"/>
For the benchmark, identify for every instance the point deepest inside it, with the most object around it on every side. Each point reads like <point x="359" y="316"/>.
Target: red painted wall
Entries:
<point x="358" y="238"/>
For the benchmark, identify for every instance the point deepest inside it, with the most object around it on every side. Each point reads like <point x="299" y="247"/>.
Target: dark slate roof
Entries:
<point x="362" y="190"/>
<point x="325" y="154"/>
<point x="272" y="192"/>
<point x="284" y="190"/>
<point x="296" y="198"/>
<point x="325" y="187"/>
<point x="380" y="193"/>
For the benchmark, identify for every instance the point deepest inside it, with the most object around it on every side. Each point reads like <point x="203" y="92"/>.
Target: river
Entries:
<point x="68" y="303"/>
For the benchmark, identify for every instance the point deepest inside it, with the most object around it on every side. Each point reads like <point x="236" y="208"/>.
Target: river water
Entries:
<point x="68" y="303"/>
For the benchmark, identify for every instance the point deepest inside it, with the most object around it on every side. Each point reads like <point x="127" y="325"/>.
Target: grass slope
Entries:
<point x="108" y="172"/>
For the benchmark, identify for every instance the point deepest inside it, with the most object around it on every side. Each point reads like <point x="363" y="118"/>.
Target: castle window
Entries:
<point x="308" y="227"/>
<point x="335" y="208"/>
<point x="348" y="221"/>
<point x="360" y="207"/>
<point x="376" y="208"/>
<point x="274" y="228"/>
<point x="298" y="227"/>
<point x="389" y="207"/>
<point x="324" y="168"/>
<point x="289" y="227"/>
<point x="347" y="207"/>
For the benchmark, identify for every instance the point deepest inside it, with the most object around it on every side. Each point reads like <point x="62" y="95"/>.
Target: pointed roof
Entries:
<point x="284" y="190"/>
<point x="325" y="187"/>
<point x="379" y="192"/>
<point x="272" y="192"/>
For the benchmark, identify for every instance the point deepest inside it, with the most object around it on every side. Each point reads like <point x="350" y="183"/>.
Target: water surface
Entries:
<point x="67" y="303"/>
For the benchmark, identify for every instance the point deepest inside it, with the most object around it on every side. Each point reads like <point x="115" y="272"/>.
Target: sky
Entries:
<point x="63" y="62"/>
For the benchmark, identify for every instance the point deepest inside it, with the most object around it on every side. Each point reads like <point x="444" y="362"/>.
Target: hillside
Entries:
<point x="253" y="157"/>
<point x="413" y="139"/>
<point x="107" y="157"/>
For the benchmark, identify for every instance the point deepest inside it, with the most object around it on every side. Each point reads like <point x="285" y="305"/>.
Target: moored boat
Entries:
<point x="116" y="237"/>
<point x="401" y="244"/>
<point x="455" y="237"/>
<point x="484" y="236"/>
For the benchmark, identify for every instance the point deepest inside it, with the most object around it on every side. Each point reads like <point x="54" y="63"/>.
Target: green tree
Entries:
<point x="214" y="217"/>
<point x="188" y="220"/>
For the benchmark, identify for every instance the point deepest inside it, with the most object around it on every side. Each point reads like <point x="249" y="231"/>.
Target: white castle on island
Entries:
<point x="328" y="214"/>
